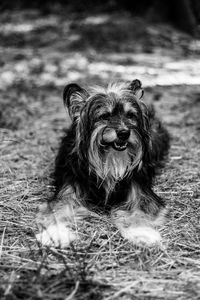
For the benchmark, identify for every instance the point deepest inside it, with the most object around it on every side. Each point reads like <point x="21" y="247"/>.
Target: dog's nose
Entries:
<point x="123" y="134"/>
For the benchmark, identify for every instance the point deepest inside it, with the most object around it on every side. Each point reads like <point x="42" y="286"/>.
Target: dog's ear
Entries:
<point x="136" y="87"/>
<point x="74" y="98"/>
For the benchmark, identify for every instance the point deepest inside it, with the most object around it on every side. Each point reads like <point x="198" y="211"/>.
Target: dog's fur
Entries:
<point x="106" y="164"/>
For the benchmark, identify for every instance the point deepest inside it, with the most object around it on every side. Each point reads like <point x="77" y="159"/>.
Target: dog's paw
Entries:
<point x="142" y="236"/>
<point x="57" y="235"/>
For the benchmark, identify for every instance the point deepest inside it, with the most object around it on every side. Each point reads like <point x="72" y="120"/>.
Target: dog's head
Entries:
<point x="111" y="127"/>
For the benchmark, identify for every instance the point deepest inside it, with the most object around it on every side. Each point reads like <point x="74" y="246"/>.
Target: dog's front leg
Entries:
<point x="138" y="219"/>
<point x="57" y="220"/>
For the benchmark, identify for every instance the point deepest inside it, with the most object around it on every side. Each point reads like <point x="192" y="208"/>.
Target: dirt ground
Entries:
<point x="39" y="55"/>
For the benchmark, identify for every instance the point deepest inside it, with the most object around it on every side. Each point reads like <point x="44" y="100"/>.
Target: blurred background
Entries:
<point x="46" y="44"/>
<point x="185" y="14"/>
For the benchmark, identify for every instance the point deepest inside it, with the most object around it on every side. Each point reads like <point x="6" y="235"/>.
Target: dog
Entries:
<point x="106" y="164"/>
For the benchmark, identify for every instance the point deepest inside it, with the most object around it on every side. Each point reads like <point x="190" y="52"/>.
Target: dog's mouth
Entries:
<point x="116" y="145"/>
<point x="119" y="146"/>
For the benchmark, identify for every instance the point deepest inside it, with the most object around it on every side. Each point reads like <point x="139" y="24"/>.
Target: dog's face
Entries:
<point x="111" y="127"/>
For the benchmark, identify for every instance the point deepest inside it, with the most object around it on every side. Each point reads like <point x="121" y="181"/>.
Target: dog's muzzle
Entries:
<point x="118" y="140"/>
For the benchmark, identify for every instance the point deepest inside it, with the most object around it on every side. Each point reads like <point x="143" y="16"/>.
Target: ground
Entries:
<point x="39" y="55"/>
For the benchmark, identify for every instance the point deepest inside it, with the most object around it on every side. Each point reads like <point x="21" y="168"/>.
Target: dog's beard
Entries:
<point x="111" y="165"/>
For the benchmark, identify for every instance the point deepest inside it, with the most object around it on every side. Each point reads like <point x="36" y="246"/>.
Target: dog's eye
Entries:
<point x="104" y="116"/>
<point x="130" y="115"/>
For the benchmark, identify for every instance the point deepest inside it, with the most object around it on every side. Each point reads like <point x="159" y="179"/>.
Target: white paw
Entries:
<point x="142" y="235"/>
<point x="57" y="235"/>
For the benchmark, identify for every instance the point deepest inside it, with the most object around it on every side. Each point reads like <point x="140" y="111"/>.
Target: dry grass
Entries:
<point x="101" y="265"/>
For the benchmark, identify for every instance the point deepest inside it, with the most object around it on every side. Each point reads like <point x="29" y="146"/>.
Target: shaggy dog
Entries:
<point x="106" y="164"/>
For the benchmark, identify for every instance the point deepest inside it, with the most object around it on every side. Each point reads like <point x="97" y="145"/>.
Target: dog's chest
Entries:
<point x="99" y="199"/>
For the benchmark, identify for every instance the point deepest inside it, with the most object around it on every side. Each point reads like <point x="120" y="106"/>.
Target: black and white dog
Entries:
<point x="106" y="164"/>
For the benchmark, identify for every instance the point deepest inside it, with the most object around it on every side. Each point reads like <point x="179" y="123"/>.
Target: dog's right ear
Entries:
<point x="74" y="98"/>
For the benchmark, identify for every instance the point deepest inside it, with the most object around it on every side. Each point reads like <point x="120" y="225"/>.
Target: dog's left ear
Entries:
<point x="136" y="87"/>
<point x="74" y="98"/>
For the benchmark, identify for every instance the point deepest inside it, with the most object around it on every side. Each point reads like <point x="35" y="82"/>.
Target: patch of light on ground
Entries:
<point x="15" y="28"/>
<point x="96" y="20"/>
<point x="163" y="73"/>
<point x="150" y="68"/>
